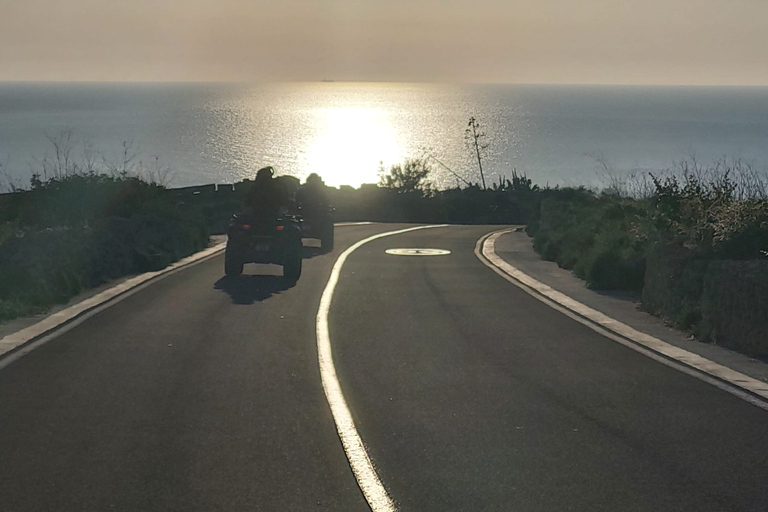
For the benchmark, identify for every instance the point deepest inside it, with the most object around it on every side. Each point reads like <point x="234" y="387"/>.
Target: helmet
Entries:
<point x="314" y="178"/>
<point x="265" y="173"/>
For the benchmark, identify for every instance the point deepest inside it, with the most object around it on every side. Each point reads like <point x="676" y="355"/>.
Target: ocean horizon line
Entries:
<point x="381" y="82"/>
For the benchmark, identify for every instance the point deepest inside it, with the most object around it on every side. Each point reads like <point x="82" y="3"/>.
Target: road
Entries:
<point x="203" y="393"/>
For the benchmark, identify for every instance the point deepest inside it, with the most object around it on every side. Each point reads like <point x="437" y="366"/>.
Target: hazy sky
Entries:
<point x="532" y="41"/>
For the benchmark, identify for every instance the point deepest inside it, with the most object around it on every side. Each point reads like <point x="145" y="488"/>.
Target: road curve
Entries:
<point x="471" y="395"/>
<point x="201" y="393"/>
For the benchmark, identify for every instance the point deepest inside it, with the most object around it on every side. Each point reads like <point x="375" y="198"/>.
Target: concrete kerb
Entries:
<point x="743" y="386"/>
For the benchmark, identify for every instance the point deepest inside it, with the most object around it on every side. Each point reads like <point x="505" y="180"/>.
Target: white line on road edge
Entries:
<point x="747" y="388"/>
<point x="22" y="342"/>
<point x="359" y="461"/>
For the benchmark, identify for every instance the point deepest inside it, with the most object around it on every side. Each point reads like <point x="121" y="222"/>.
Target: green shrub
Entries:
<point x="58" y="248"/>
<point x="614" y="262"/>
<point x="601" y="238"/>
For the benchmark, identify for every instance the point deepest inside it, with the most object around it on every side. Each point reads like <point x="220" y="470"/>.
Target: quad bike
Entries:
<point x="270" y="239"/>
<point x="318" y="223"/>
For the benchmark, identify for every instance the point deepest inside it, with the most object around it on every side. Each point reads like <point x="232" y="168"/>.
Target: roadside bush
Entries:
<point x="601" y="238"/>
<point x="410" y="177"/>
<point x="42" y="268"/>
<point x="406" y="195"/>
<point x="615" y="261"/>
<point x="58" y="247"/>
<point x="711" y="217"/>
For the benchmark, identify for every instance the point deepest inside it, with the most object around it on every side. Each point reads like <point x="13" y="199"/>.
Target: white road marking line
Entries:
<point x="747" y="388"/>
<point x="359" y="461"/>
<point x="342" y="224"/>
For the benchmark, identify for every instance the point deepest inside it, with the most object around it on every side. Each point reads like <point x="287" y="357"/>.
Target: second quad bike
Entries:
<point x="276" y="240"/>
<point x="318" y="223"/>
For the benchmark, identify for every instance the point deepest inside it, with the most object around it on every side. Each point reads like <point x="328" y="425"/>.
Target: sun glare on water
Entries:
<point x="345" y="132"/>
<point x="350" y="144"/>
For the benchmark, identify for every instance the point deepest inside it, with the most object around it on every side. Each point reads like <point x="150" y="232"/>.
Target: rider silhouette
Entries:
<point x="267" y="195"/>
<point x="313" y="195"/>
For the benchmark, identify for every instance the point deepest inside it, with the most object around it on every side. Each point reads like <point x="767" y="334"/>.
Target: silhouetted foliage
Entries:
<point x="671" y="248"/>
<point x="77" y="231"/>
<point x="410" y="177"/>
<point x="599" y="237"/>
<point x="475" y="136"/>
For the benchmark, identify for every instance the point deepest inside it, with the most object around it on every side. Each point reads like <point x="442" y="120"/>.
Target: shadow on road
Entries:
<point x="248" y="289"/>
<point x="310" y="251"/>
<point x="618" y="294"/>
<point x="251" y="288"/>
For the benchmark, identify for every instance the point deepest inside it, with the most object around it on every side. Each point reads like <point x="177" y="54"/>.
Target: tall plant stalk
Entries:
<point x="475" y="135"/>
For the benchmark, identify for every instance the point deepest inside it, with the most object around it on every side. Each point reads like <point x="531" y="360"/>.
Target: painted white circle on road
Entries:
<point x="413" y="251"/>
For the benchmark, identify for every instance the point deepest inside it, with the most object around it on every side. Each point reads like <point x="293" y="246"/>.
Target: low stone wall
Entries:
<point x="720" y="301"/>
<point x="734" y="306"/>
<point x="673" y="284"/>
<point x="194" y="191"/>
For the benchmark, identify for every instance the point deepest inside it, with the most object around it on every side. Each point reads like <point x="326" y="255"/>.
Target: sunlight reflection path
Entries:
<point x="345" y="132"/>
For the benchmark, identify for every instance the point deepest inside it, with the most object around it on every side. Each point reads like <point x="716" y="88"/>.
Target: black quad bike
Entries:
<point x="318" y="223"/>
<point x="276" y="240"/>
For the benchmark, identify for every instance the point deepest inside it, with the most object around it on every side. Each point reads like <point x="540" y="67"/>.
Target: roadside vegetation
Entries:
<point x="78" y="225"/>
<point x="691" y="246"/>
<point x="406" y="194"/>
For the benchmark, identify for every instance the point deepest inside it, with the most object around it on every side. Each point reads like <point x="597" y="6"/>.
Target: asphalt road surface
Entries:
<point x="204" y="393"/>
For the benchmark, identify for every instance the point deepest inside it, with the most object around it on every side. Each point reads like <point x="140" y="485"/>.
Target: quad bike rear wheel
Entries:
<point x="292" y="264"/>
<point x="326" y="240"/>
<point x="233" y="264"/>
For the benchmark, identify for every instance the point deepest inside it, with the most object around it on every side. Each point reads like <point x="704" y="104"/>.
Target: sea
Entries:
<point x="193" y="134"/>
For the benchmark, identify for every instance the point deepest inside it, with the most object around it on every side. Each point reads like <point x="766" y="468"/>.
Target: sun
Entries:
<point x="350" y="144"/>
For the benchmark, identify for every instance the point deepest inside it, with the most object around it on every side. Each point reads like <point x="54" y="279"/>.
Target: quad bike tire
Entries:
<point x="233" y="264"/>
<point x="292" y="265"/>
<point x="326" y="241"/>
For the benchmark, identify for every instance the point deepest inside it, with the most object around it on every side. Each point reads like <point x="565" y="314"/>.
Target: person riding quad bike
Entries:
<point x="265" y="232"/>
<point x="268" y="195"/>
<point x="316" y="211"/>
